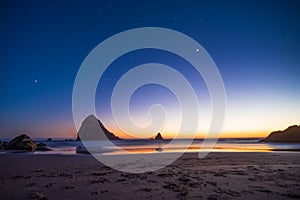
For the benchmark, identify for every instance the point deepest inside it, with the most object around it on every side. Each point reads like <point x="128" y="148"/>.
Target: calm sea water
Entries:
<point x="61" y="146"/>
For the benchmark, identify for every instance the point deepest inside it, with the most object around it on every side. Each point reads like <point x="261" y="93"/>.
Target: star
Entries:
<point x="197" y="50"/>
<point x="35" y="80"/>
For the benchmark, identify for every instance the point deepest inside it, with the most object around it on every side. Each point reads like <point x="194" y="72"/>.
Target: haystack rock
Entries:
<point x="289" y="135"/>
<point x="158" y="137"/>
<point x="21" y="142"/>
<point x="91" y="129"/>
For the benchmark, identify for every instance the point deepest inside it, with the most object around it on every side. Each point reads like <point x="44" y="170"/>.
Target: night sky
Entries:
<point x="255" y="44"/>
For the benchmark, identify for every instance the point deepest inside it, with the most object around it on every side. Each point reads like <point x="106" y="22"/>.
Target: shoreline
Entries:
<point x="152" y="150"/>
<point x="64" y="146"/>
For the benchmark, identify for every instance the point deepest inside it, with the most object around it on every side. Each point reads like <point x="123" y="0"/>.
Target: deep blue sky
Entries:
<point x="255" y="44"/>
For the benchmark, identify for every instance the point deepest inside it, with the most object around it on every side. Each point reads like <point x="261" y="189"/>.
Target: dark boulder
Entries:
<point x="41" y="144"/>
<point x="42" y="147"/>
<point x="82" y="150"/>
<point x="21" y="142"/>
<point x="3" y="144"/>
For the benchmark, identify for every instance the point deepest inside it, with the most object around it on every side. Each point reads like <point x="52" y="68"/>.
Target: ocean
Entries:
<point x="64" y="146"/>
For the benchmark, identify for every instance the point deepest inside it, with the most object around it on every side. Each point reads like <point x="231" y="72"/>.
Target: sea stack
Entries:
<point x="91" y="129"/>
<point x="289" y="135"/>
<point x="158" y="137"/>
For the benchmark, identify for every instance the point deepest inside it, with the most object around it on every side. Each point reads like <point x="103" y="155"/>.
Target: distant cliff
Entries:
<point x="91" y="129"/>
<point x="289" y="135"/>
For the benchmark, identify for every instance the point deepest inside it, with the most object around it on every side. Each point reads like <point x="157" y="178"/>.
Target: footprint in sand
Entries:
<point x="37" y="196"/>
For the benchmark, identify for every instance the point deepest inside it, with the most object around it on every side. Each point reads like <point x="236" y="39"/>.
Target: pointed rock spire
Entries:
<point x="158" y="137"/>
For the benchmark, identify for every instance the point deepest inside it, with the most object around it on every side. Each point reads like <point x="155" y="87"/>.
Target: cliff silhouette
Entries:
<point x="289" y="135"/>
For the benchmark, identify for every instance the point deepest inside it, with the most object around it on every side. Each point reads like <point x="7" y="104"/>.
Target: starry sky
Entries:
<point x="255" y="44"/>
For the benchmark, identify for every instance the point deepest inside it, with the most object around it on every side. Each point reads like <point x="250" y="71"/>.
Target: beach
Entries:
<point x="220" y="175"/>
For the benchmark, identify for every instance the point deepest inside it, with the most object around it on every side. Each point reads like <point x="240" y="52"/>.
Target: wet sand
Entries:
<point x="218" y="176"/>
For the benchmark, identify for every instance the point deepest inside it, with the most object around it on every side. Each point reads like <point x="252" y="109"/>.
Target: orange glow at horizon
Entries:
<point x="165" y="135"/>
<point x="251" y="133"/>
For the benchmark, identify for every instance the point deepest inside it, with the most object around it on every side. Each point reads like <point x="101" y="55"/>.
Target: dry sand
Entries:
<point x="218" y="176"/>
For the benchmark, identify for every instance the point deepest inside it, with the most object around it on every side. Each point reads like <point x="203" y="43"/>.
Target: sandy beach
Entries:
<point x="218" y="176"/>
